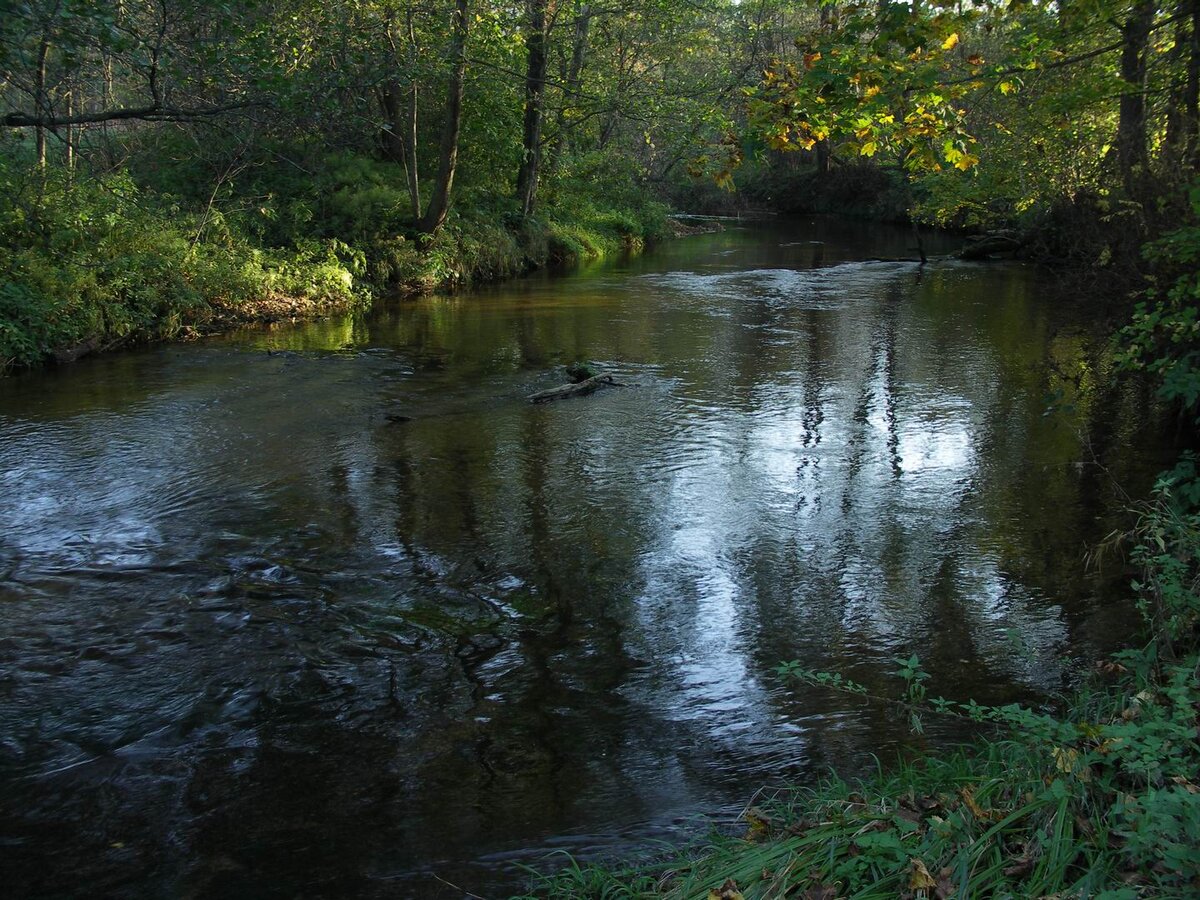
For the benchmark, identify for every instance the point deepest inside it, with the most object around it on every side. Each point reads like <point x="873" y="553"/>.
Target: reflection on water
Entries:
<point x="332" y="609"/>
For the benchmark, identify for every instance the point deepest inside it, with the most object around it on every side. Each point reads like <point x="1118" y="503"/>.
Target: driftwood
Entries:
<point x="580" y="389"/>
<point x="988" y="245"/>
<point x="69" y="354"/>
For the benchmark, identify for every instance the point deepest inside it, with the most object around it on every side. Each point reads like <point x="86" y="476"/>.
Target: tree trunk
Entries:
<point x="390" y="137"/>
<point x="1191" y="91"/>
<point x="822" y="154"/>
<point x="439" y="203"/>
<point x="1131" y="128"/>
<point x="535" y="91"/>
<point x="41" y="100"/>
<point x="410" y="164"/>
<point x="71" y="132"/>
<point x="573" y="80"/>
<point x="400" y="137"/>
<point x="1175" y="137"/>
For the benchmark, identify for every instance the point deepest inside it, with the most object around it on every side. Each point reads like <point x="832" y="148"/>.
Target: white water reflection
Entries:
<point x="325" y="592"/>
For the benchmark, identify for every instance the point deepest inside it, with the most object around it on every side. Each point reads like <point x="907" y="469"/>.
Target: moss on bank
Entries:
<point x="94" y="263"/>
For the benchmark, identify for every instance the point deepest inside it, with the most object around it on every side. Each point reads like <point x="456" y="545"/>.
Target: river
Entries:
<point x="330" y="609"/>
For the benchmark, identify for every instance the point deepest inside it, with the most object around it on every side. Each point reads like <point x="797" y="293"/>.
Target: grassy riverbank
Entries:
<point x="97" y="263"/>
<point x="1098" y="799"/>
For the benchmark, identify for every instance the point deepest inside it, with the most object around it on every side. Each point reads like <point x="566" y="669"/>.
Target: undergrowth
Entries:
<point x="90" y="261"/>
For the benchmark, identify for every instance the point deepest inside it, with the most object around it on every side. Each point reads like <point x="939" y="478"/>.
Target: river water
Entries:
<point x="332" y="610"/>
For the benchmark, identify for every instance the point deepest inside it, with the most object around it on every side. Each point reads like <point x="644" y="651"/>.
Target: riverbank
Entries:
<point x="1098" y="798"/>
<point x="98" y="264"/>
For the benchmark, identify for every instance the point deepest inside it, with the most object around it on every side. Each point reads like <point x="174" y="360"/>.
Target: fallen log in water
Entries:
<point x="1002" y="243"/>
<point x="580" y="389"/>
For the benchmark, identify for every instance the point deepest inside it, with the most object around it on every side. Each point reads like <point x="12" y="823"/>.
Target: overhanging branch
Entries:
<point x="155" y="112"/>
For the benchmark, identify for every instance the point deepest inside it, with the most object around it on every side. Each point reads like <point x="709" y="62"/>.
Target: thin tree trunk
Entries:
<point x="1131" y="128"/>
<point x="1191" y="93"/>
<point x="1175" y="137"/>
<point x="41" y="100"/>
<point x="535" y="92"/>
<point x="71" y="132"/>
<point x="573" y="80"/>
<point x="439" y="202"/>
<point x="400" y="137"/>
<point x="410" y="164"/>
<point x="829" y="21"/>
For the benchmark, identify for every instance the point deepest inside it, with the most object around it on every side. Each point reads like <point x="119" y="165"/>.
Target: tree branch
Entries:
<point x="156" y="112"/>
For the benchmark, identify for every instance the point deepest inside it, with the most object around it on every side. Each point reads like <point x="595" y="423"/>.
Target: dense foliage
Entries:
<point x="426" y="142"/>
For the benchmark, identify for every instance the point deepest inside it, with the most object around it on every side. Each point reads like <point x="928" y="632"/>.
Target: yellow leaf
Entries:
<point x="727" y="891"/>
<point x="951" y="42"/>
<point x="921" y="880"/>
<point x="1007" y="87"/>
<point x="872" y="91"/>
<point x="1186" y="785"/>
<point x="968" y="796"/>
<point x="868" y="149"/>
<point x="1066" y="760"/>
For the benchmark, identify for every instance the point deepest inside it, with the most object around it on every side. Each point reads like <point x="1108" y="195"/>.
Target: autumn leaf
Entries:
<point x="821" y="892"/>
<point x="945" y="885"/>
<point x="761" y="824"/>
<point x="727" y="891"/>
<point x="951" y="42"/>
<point x="1067" y="761"/>
<point x="1019" y="868"/>
<point x="1185" y="784"/>
<point x="921" y="880"/>
<point x="968" y="797"/>
<point x="975" y="59"/>
<point x="810" y="59"/>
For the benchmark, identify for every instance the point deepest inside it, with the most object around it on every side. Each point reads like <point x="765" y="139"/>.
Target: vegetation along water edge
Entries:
<point x="170" y="168"/>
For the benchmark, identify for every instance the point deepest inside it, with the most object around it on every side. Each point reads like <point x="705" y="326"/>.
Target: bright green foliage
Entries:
<point x="873" y="84"/>
<point x="99" y="263"/>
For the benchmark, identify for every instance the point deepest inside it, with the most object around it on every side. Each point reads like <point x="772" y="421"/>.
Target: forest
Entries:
<point x="174" y="165"/>
<point x="175" y="172"/>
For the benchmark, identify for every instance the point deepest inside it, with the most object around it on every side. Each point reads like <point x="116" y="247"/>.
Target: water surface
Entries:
<point x="332" y="610"/>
